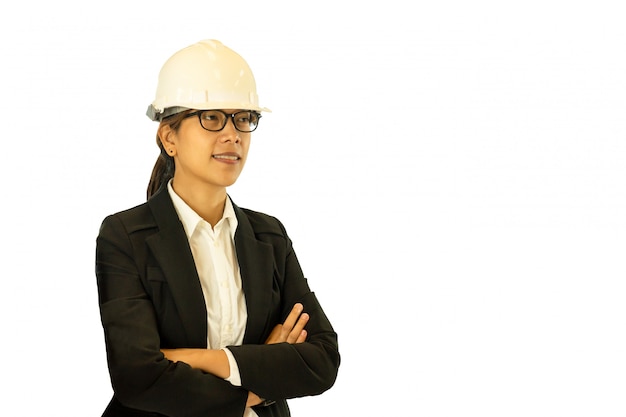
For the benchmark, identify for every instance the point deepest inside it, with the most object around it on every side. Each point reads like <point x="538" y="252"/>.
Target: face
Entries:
<point x="205" y="159"/>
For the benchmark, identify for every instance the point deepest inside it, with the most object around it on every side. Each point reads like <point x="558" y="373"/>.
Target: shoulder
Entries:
<point x="131" y="220"/>
<point x="261" y="223"/>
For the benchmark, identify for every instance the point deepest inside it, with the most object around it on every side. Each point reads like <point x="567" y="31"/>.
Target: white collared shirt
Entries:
<point x="214" y="254"/>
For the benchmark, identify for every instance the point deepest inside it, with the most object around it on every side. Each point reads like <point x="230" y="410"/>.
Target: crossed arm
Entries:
<point x="215" y="361"/>
<point x="135" y="330"/>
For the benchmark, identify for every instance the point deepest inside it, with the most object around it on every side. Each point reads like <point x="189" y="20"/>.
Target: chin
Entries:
<point x="228" y="183"/>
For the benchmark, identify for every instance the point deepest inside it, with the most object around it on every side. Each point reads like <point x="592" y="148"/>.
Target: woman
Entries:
<point x="204" y="306"/>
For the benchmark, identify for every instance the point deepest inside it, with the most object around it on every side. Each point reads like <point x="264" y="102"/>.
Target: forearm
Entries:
<point x="215" y="362"/>
<point x="142" y="378"/>
<point x="212" y="361"/>
<point x="287" y="370"/>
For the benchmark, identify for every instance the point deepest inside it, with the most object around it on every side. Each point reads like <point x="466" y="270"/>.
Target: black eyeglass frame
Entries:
<point x="227" y="116"/>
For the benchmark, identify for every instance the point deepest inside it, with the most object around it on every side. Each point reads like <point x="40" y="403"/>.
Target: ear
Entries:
<point x="168" y="139"/>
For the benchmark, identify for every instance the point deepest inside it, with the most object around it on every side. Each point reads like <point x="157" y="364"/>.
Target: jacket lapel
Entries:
<point x="256" y="265"/>
<point x="170" y="248"/>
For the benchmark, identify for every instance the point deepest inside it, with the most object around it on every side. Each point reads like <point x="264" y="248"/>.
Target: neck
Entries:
<point x="207" y="201"/>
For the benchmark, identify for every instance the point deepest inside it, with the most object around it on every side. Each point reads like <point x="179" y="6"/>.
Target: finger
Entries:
<point x="294" y="334"/>
<point x="291" y="319"/>
<point x="275" y="335"/>
<point x="302" y="337"/>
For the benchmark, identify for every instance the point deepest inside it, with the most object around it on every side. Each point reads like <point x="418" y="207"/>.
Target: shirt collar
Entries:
<point x="190" y="219"/>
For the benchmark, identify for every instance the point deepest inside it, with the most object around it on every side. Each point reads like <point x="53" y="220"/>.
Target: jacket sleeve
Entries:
<point x="141" y="376"/>
<point x="283" y="370"/>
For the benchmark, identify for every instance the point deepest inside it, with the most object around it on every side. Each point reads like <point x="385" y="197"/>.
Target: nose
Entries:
<point x="230" y="133"/>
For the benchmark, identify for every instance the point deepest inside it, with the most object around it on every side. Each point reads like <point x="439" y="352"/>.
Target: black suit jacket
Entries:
<point x="150" y="298"/>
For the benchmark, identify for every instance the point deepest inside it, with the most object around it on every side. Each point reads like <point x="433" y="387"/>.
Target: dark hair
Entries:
<point x="164" y="167"/>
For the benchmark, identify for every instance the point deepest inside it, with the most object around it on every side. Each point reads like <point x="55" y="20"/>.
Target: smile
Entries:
<point x="227" y="157"/>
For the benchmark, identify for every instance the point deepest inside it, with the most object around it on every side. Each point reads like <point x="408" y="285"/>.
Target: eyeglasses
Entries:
<point x="215" y="120"/>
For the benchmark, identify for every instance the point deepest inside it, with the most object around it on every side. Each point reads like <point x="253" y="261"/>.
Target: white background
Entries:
<point x="452" y="174"/>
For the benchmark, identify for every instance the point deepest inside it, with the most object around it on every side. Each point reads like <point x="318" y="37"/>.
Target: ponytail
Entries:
<point x="164" y="166"/>
<point x="162" y="172"/>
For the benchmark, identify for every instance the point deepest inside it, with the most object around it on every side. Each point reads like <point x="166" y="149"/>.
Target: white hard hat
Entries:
<point x="204" y="76"/>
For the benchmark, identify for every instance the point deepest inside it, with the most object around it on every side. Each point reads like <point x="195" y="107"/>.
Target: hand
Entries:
<point x="292" y="330"/>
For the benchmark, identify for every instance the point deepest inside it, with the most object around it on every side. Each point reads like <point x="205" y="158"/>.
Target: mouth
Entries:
<point x="227" y="157"/>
